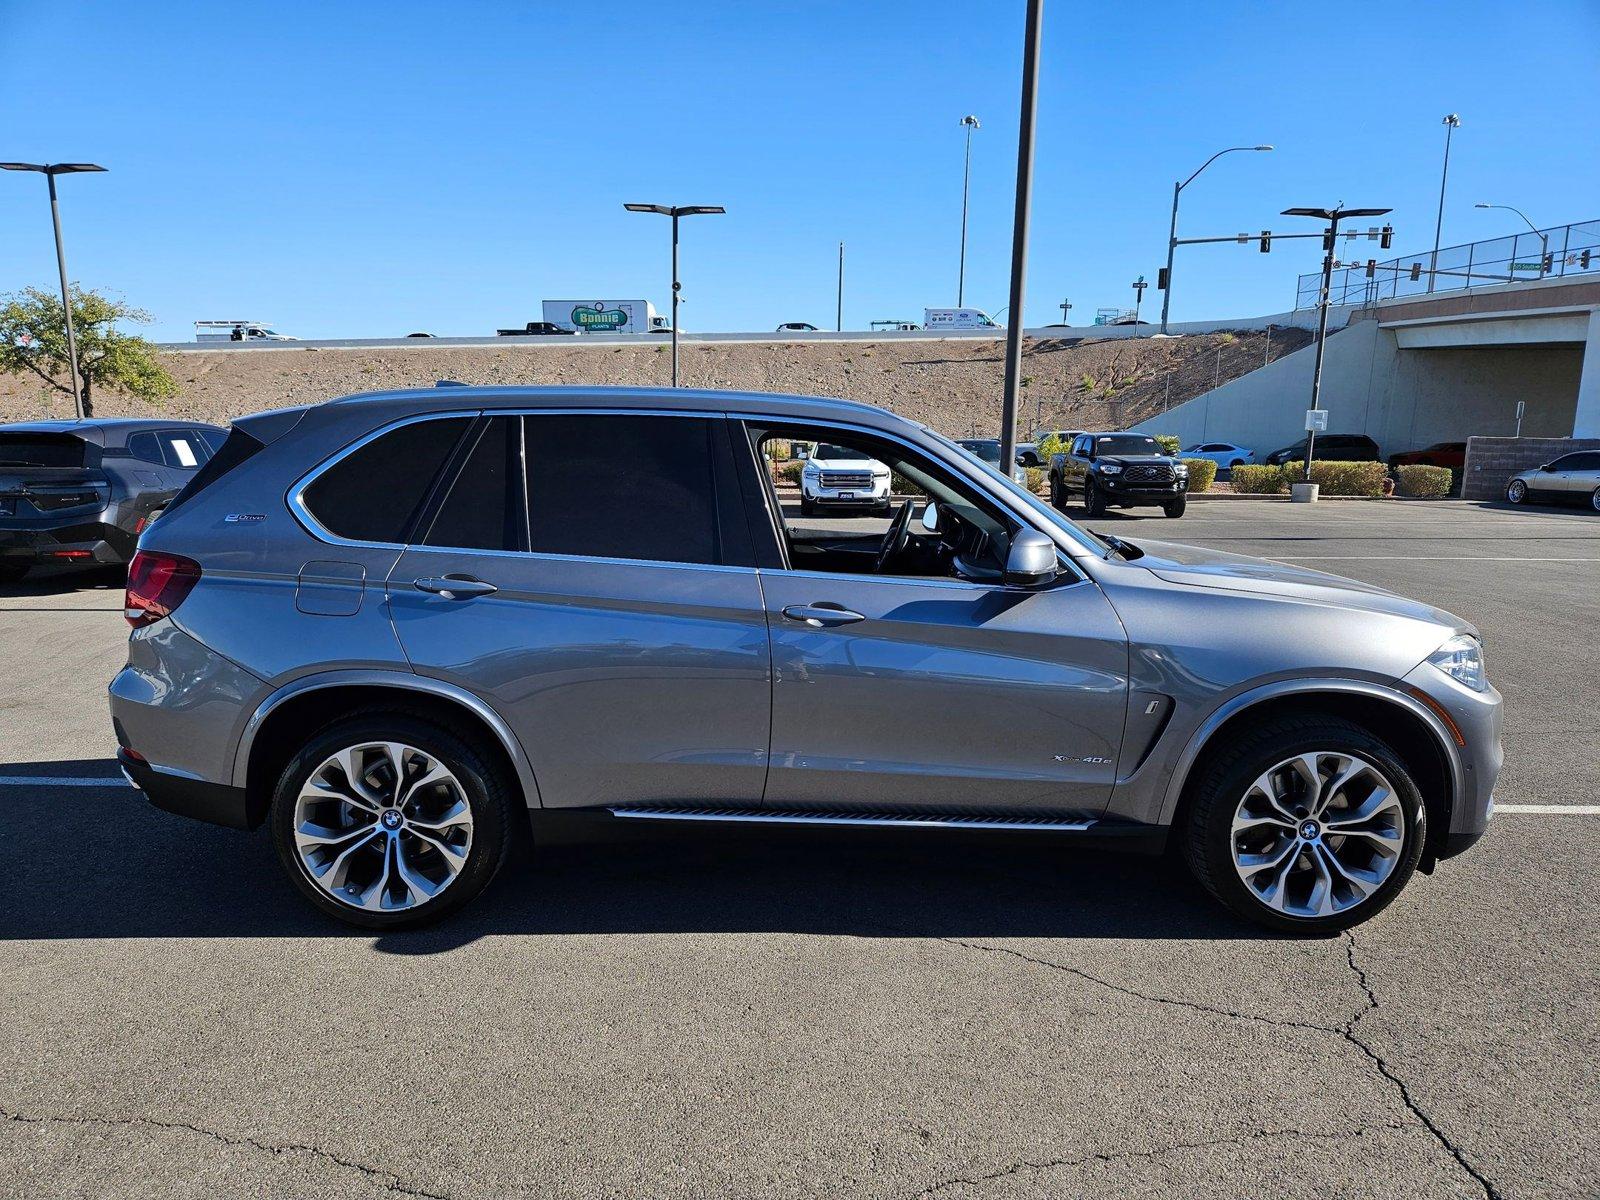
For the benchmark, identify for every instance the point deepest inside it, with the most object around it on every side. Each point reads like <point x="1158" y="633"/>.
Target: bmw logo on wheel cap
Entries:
<point x="391" y="818"/>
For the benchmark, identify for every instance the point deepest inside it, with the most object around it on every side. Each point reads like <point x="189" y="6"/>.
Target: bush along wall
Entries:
<point x="1424" y="481"/>
<point x="1340" y="478"/>
<point x="1258" y="480"/>
<point x="1202" y="473"/>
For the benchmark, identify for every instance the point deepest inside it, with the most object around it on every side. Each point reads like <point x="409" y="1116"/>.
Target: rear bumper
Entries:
<point x="188" y="796"/>
<point x="83" y="543"/>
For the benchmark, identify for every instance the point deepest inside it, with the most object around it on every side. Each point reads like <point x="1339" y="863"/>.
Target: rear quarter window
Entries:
<point x="375" y="492"/>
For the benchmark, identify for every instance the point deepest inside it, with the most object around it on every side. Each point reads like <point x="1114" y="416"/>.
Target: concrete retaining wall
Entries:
<point x="1492" y="461"/>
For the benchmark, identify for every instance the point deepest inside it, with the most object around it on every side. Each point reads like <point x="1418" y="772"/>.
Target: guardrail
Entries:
<point x="1523" y="257"/>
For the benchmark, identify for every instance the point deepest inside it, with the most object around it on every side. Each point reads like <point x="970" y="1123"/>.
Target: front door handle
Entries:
<point x="455" y="587"/>
<point x="820" y="616"/>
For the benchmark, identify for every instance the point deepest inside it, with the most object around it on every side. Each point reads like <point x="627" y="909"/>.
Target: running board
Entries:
<point x="1060" y="822"/>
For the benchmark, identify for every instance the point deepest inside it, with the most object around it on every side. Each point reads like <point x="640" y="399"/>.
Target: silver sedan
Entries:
<point x="1571" y="479"/>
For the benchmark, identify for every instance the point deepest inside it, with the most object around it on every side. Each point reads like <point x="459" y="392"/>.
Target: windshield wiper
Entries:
<point x="1120" y="547"/>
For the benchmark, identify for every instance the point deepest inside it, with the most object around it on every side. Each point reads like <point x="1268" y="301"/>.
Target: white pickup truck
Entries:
<point x="838" y="477"/>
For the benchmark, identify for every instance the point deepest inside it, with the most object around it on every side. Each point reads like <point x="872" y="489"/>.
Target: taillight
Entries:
<point x="157" y="584"/>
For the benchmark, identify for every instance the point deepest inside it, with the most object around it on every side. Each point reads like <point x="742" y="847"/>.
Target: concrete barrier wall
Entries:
<point x="1492" y="461"/>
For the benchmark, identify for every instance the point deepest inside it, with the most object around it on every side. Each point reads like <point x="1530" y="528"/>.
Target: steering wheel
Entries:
<point x="895" y="540"/>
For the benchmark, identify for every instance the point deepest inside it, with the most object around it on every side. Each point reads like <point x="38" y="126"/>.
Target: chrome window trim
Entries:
<point x="956" y="467"/>
<point x="295" y="499"/>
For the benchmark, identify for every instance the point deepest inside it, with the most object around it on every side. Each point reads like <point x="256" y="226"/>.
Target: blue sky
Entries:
<point x="345" y="169"/>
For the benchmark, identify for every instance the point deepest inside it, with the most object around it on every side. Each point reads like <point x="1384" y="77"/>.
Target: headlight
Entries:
<point x="1461" y="658"/>
<point x="811" y="469"/>
<point x="1180" y="469"/>
<point x="1108" y="468"/>
<point x="881" y="474"/>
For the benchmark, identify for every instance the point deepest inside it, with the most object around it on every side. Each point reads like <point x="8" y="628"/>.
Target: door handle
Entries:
<point x="455" y="587"/>
<point x="820" y="616"/>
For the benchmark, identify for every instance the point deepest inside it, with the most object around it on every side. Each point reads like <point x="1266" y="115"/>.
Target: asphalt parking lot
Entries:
<point x="761" y="1015"/>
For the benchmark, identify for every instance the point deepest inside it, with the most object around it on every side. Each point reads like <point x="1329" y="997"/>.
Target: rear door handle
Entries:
<point x="455" y="587"/>
<point x="820" y="616"/>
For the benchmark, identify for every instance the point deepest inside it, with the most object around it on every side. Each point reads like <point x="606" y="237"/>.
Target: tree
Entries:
<point x="33" y="339"/>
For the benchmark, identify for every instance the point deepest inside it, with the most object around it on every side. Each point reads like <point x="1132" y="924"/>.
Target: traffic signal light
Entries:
<point x="1372" y="267"/>
<point x="1266" y="241"/>
<point x="1416" y="271"/>
<point x="1549" y="264"/>
<point x="1327" y="239"/>
<point x="1161" y="278"/>
<point x="1386" y="237"/>
<point x="1583" y="260"/>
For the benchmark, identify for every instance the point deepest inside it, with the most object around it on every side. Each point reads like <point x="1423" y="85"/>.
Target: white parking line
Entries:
<point x="63" y="781"/>
<point x="1565" y="810"/>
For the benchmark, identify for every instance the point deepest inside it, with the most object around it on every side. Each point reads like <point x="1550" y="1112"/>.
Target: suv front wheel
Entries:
<point x="1307" y="825"/>
<point x="385" y="820"/>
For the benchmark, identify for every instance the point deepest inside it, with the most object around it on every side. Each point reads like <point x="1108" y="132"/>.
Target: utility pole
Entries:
<point x="838" y="312"/>
<point x="1451" y="124"/>
<point x="971" y="123"/>
<point x="1019" y="231"/>
<point x="675" y="211"/>
<point x="1165" y="280"/>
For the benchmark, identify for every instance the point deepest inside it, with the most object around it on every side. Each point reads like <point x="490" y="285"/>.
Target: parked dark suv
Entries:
<point x="1331" y="447"/>
<point x="394" y="627"/>
<point x="1118" y="470"/>
<point x="79" y="493"/>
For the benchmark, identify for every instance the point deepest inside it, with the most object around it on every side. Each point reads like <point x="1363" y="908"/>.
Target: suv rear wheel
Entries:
<point x="386" y="820"/>
<point x="1308" y="825"/>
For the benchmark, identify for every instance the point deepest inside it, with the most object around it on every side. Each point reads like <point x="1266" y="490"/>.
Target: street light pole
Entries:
<point x="838" y="312"/>
<point x="50" y="171"/>
<point x="1019" y="231"/>
<point x="1451" y="123"/>
<point x="1172" y="231"/>
<point x="971" y="123"/>
<point x="675" y="211"/>
<point x="1544" y="240"/>
<point x="1330" y="240"/>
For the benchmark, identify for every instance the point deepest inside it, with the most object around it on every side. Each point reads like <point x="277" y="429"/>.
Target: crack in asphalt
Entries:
<point x="1028" y="1165"/>
<point x="389" y="1179"/>
<point x="1346" y="1032"/>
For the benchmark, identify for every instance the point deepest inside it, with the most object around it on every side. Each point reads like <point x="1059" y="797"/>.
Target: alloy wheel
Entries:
<point x="382" y="826"/>
<point x="1594" y="499"/>
<point x="1318" y="834"/>
<point x="1517" y="491"/>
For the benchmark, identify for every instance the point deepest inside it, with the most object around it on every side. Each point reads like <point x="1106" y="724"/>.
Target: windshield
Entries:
<point x="1042" y="513"/>
<point x="41" y="450"/>
<point x="1126" y="443"/>
<point x="989" y="452"/>
<point x="826" y="453"/>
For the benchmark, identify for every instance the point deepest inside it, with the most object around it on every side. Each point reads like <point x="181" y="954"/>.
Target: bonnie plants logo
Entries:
<point x="598" y="316"/>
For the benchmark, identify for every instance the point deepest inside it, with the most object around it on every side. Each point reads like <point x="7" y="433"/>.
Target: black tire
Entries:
<point x="1058" y="495"/>
<point x="1175" y="508"/>
<point x="1094" y="500"/>
<point x="14" y="572"/>
<point x="488" y="794"/>
<point x="1207" y="830"/>
<point x="1516" y="492"/>
<point x="1594" y="499"/>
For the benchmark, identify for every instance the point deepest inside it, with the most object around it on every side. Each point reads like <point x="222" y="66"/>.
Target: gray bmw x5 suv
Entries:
<point x="395" y="627"/>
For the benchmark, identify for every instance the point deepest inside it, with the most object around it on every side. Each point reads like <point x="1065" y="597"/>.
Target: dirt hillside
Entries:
<point x="1068" y="382"/>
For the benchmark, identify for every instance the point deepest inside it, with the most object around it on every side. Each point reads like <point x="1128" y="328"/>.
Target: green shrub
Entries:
<point x="1340" y="478"/>
<point x="789" y="472"/>
<point x="899" y="485"/>
<point x="1169" y="444"/>
<point x="1036" y="478"/>
<point x="1050" y="444"/>
<point x="1256" y="480"/>
<point x="1419" y="480"/>
<point x="1202" y="473"/>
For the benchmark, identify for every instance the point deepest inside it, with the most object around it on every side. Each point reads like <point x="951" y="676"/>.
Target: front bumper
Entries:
<point x="876" y="495"/>
<point x="1120" y="492"/>
<point x="1478" y="754"/>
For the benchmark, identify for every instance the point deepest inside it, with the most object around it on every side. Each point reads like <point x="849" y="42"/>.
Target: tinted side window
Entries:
<point x="623" y="487"/>
<point x="145" y="448"/>
<point x="1587" y="462"/>
<point x="484" y="509"/>
<point x="374" y="492"/>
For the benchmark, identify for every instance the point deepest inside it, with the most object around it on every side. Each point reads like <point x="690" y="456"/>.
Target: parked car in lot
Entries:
<point x="842" y="477"/>
<point x="79" y="493"/>
<point x="1118" y="470"/>
<point x="1226" y="455"/>
<point x="1440" y="454"/>
<point x="987" y="451"/>
<point x="1571" y="479"/>
<point x="445" y="615"/>
<point x="1331" y="447"/>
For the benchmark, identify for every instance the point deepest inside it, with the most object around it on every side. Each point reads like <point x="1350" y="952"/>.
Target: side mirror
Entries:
<point x="1032" y="560"/>
<point x="930" y="518"/>
<point x="1547" y="467"/>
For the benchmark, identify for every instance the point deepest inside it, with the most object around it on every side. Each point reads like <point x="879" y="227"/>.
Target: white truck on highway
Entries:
<point x="237" y="331"/>
<point x="605" y="316"/>
<point x="957" y="318"/>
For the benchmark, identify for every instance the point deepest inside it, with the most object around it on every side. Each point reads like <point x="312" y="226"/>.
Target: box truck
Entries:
<point x="957" y="318"/>
<point x="604" y="316"/>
